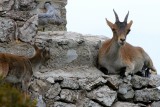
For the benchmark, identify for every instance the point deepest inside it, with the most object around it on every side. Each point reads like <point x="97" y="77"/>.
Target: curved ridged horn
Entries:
<point x="125" y="20"/>
<point x="116" y="16"/>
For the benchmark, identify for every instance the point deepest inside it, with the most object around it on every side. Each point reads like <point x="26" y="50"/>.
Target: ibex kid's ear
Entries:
<point x="110" y="24"/>
<point x="129" y="24"/>
<point x="35" y="47"/>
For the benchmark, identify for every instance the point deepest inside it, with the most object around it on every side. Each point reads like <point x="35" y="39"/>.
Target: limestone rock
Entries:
<point x="142" y="82"/>
<point x="89" y="103"/>
<point x="59" y="6"/>
<point x="39" y="86"/>
<point x="19" y="16"/>
<point x="7" y="30"/>
<point x="125" y="91"/>
<point x="147" y="95"/>
<point x="21" y="49"/>
<point x="51" y="80"/>
<point x="139" y="82"/>
<point x="6" y="5"/>
<point x="113" y="81"/>
<point x="40" y="102"/>
<point x="28" y="32"/>
<point x="61" y="104"/>
<point x="103" y="95"/>
<point x="69" y="95"/>
<point x="77" y="72"/>
<point x="71" y="83"/>
<point x="154" y="81"/>
<point x="125" y="104"/>
<point x="26" y="4"/>
<point x="91" y="83"/>
<point x="70" y="49"/>
<point x="53" y="91"/>
<point x="52" y="16"/>
<point x="155" y="104"/>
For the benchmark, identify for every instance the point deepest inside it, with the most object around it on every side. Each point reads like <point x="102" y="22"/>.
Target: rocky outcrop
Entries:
<point x="17" y="18"/>
<point x="70" y="77"/>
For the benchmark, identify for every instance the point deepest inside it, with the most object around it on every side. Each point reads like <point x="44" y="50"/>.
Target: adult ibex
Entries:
<point x="117" y="56"/>
<point x="16" y="69"/>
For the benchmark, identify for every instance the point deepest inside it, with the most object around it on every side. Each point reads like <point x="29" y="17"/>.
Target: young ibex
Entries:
<point x="40" y="57"/>
<point x="117" y="56"/>
<point x="16" y="69"/>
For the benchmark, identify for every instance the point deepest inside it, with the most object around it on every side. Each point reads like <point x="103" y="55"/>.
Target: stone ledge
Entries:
<point x="70" y="49"/>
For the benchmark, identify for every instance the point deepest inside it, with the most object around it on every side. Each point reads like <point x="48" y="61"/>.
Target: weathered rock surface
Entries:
<point x="154" y="81"/>
<point x="71" y="83"/>
<point x="69" y="96"/>
<point x="28" y="31"/>
<point x="70" y="77"/>
<point x="155" y="104"/>
<point x="7" y="30"/>
<point x="125" y="91"/>
<point x="147" y="95"/>
<point x="61" y="104"/>
<point x="53" y="91"/>
<point x="103" y="95"/>
<point x="17" y="15"/>
<point x="70" y="49"/>
<point x="113" y="81"/>
<point x="6" y="5"/>
<point x="125" y="104"/>
<point x="89" y="103"/>
<point x="139" y="82"/>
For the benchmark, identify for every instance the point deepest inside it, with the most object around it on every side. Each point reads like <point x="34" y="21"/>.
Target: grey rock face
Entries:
<point x="23" y="10"/>
<point x="61" y="104"/>
<point x="154" y="81"/>
<point x="125" y="104"/>
<point x="155" y="104"/>
<point x="51" y="16"/>
<point x="6" y="5"/>
<point x="147" y="95"/>
<point x="53" y="91"/>
<point x="26" y="4"/>
<point x="139" y="82"/>
<point x="103" y="95"/>
<point x="70" y="83"/>
<point x="98" y="82"/>
<point x="91" y="83"/>
<point x="67" y="45"/>
<point x="69" y="95"/>
<point x="89" y="103"/>
<point x="48" y="24"/>
<point x="28" y="32"/>
<point x="7" y="30"/>
<point x="125" y="91"/>
<point x="113" y="81"/>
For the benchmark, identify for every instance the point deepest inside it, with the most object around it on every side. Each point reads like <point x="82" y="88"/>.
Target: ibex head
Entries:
<point x="120" y="29"/>
<point x="43" y="53"/>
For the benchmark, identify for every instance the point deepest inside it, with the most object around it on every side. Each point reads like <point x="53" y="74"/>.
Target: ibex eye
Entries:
<point x="114" y="30"/>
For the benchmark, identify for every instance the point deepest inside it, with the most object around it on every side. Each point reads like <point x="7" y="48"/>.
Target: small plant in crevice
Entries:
<point x="12" y="97"/>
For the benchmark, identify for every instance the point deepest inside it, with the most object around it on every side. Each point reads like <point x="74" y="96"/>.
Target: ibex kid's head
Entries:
<point x="43" y="53"/>
<point x="120" y="29"/>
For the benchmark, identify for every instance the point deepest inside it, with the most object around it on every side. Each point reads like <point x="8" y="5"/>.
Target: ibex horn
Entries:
<point x="125" y="20"/>
<point x="116" y="16"/>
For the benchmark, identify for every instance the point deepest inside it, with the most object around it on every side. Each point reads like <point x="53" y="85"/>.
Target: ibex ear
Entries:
<point x="129" y="24"/>
<point x="35" y="47"/>
<point x="110" y="24"/>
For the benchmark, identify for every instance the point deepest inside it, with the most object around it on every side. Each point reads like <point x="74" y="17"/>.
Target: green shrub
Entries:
<point x="12" y="97"/>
